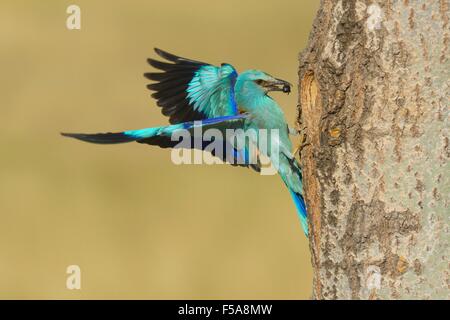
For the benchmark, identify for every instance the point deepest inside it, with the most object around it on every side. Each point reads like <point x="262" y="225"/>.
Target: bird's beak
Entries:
<point x="278" y="85"/>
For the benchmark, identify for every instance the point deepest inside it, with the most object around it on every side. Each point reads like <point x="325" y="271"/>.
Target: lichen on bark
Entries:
<point x="374" y="104"/>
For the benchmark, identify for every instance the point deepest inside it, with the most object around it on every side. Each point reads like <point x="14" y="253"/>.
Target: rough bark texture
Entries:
<point x="374" y="105"/>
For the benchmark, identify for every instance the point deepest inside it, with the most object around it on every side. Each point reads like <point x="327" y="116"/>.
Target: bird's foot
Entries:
<point x="304" y="141"/>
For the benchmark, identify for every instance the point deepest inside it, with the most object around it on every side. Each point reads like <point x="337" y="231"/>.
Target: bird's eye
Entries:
<point x="259" y="82"/>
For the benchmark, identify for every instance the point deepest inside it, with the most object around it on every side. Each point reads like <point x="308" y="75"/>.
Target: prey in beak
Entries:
<point x="275" y="85"/>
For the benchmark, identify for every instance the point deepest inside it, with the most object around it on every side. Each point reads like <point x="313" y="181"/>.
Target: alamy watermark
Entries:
<point x="73" y="281"/>
<point x="73" y="21"/>
<point x="233" y="146"/>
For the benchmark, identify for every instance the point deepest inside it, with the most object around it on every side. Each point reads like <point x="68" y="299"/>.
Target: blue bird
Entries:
<point x="196" y="95"/>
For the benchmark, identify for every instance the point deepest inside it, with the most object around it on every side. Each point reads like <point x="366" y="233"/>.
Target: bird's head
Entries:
<point x="256" y="81"/>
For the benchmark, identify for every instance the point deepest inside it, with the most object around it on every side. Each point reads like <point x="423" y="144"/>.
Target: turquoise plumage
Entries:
<point x="195" y="94"/>
<point x="189" y="90"/>
<point x="211" y="91"/>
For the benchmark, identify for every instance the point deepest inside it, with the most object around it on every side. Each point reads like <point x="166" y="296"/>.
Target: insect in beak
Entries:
<point x="279" y="85"/>
<point x="275" y="85"/>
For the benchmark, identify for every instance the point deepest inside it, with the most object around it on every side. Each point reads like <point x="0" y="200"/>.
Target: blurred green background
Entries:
<point x="138" y="226"/>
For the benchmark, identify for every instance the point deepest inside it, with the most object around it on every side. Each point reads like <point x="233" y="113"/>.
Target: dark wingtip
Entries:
<point x="157" y="50"/>
<point x="151" y="87"/>
<point x="155" y="76"/>
<point x="165" y="55"/>
<point x="101" y="138"/>
<point x="70" y="135"/>
<point x="174" y="58"/>
<point x="79" y="136"/>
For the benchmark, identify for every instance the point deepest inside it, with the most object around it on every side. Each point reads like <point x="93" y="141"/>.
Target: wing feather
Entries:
<point x="189" y="90"/>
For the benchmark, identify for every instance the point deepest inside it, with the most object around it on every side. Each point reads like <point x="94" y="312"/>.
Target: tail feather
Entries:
<point x="291" y="174"/>
<point x="301" y="210"/>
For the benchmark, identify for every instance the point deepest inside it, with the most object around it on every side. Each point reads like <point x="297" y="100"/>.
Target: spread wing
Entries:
<point x="170" y="136"/>
<point x="188" y="90"/>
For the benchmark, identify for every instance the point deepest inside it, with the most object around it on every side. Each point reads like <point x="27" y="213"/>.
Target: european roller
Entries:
<point x="197" y="95"/>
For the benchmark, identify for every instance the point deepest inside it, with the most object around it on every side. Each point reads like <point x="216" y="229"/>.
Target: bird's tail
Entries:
<point x="301" y="209"/>
<point x="292" y="176"/>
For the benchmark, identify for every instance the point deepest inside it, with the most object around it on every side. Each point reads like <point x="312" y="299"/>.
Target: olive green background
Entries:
<point x="137" y="225"/>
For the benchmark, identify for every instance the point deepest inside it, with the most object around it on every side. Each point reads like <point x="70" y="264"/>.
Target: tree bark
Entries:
<point x="373" y="103"/>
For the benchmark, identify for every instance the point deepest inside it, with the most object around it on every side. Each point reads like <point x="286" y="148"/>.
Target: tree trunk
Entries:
<point x="373" y="103"/>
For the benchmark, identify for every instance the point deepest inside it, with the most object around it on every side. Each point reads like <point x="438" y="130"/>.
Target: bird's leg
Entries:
<point x="304" y="141"/>
<point x="293" y="131"/>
